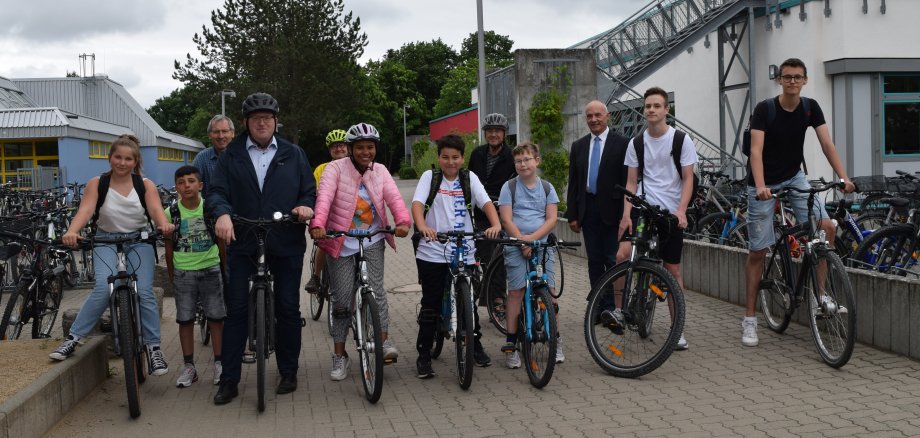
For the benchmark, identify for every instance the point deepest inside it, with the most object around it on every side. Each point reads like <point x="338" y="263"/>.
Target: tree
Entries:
<point x="396" y="85"/>
<point x="302" y="52"/>
<point x="173" y="112"/>
<point x="498" y="49"/>
<point x="432" y="62"/>
<point x="455" y="94"/>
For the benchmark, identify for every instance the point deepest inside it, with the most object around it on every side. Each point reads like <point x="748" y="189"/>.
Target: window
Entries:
<point x="98" y="149"/>
<point x="17" y="149"/>
<point x="170" y="154"/>
<point x="191" y="156"/>
<point x="46" y="148"/>
<point x="901" y="114"/>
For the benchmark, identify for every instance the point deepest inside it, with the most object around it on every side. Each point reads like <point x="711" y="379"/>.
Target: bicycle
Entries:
<point x="645" y="339"/>
<point x="365" y="317"/>
<point x="322" y="295"/>
<point x="822" y="281"/>
<point x="261" y="318"/>
<point x="537" y="328"/>
<point x="39" y="290"/>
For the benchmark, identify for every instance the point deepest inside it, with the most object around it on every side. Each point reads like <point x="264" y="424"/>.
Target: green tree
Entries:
<point x="432" y="62"/>
<point x="303" y="52"/>
<point x="455" y="94"/>
<point x="498" y="49"/>
<point x="173" y="111"/>
<point x="396" y="86"/>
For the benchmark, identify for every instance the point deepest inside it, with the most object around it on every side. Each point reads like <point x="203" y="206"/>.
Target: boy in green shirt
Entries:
<point x="193" y="260"/>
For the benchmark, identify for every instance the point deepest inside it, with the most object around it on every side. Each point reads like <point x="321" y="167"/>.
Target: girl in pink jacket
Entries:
<point x="354" y="194"/>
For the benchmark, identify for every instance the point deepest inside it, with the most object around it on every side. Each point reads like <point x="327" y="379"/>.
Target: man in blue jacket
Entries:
<point x="258" y="175"/>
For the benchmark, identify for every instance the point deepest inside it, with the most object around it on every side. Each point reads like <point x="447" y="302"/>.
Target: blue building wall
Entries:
<point x="73" y="154"/>
<point x="160" y="172"/>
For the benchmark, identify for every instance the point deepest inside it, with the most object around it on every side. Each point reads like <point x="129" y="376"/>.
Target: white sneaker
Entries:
<point x="749" y="332"/>
<point x="682" y="343"/>
<point x="513" y="360"/>
<point x="188" y="376"/>
<point x="340" y="366"/>
<point x="830" y="307"/>
<point x="560" y="356"/>
<point x="389" y="351"/>
<point x="218" y="369"/>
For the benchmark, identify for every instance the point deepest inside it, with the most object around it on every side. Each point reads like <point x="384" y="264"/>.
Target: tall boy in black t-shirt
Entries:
<point x="777" y="152"/>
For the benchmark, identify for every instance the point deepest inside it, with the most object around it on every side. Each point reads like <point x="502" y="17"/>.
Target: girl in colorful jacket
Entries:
<point x="354" y="194"/>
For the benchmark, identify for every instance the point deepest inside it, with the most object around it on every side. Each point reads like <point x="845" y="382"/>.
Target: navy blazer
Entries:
<point x="288" y="183"/>
<point x="611" y="172"/>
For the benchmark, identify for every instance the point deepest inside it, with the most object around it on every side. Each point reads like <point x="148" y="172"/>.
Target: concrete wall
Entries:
<point x="533" y="70"/>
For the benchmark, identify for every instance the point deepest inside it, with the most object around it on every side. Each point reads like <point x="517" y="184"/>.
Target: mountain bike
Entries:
<point x="38" y="294"/>
<point x="365" y="317"/>
<point x="644" y="339"/>
<point x="822" y="281"/>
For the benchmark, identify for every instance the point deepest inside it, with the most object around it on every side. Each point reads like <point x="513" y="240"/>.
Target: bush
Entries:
<point x="407" y="172"/>
<point x="555" y="166"/>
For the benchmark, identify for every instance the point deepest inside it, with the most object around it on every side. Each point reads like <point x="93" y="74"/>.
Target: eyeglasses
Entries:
<point x="338" y="146"/>
<point x="523" y="161"/>
<point x="791" y="78"/>
<point x="262" y="119"/>
<point x="221" y="131"/>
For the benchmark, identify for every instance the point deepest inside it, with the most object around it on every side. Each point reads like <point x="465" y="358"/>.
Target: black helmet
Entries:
<point x="259" y="102"/>
<point x="495" y="120"/>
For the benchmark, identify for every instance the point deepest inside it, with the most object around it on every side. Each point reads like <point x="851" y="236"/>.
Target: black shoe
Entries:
<point x="482" y="359"/>
<point x="423" y="366"/>
<point x="312" y="285"/>
<point x="226" y="393"/>
<point x="288" y="385"/>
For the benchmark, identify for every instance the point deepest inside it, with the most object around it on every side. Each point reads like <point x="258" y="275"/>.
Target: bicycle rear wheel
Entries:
<point x="558" y="274"/>
<point x="204" y="330"/>
<point x="833" y="322"/>
<point x="775" y="295"/>
<point x="260" y="341"/>
<point x="493" y="285"/>
<point x="126" y="343"/>
<point x="316" y="305"/>
<point x="46" y="309"/>
<point x="539" y="346"/>
<point x="16" y="314"/>
<point x="624" y="351"/>
<point x="463" y="338"/>
<point x="370" y="347"/>
<point x="71" y="275"/>
<point x="439" y="337"/>
<point x="890" y="250"/>
<point x="712" y="226"/>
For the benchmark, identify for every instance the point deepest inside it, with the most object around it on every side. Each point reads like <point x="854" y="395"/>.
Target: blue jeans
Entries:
<point x="140" y="261"/>
<point x="761" y="213"/>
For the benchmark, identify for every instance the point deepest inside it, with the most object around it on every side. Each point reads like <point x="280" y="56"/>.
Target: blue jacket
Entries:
<point x="289" y="183"/>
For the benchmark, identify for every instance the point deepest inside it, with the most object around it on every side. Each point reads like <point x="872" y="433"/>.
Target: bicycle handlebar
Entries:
<point x="781" y="193"/>
<point x="640" y="202"/>
<point x="277" y="218"/>
<point x="359" y="233"/>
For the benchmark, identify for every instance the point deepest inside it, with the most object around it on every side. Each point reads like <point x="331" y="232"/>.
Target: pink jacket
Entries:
<point x="337" y="198"/>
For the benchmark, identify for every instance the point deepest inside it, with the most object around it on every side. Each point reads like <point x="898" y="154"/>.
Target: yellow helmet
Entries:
<point x="335" y="136"/>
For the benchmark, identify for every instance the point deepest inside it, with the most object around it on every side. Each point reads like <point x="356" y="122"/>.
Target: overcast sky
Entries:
<point x="136" y="42"/>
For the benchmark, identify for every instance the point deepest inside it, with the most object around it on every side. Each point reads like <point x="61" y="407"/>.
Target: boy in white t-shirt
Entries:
<point x="661" y="183"/>
<point x="447" y="212"/>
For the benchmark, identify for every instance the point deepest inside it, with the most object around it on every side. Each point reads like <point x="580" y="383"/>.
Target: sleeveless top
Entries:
<point x="121" y="214"/>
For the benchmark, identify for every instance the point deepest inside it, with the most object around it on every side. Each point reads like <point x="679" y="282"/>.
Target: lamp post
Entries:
<point x="406" y="150"/>
<point x="223" y="94"/>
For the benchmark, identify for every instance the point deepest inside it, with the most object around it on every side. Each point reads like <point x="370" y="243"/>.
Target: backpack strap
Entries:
<point x="465" y="187"/>
<point x="676" y="148"/>
<point x="176" y="215"/>
<point x="639" y="146"/>
<point x="105" y="181"/>
<point x="436" y="177"/>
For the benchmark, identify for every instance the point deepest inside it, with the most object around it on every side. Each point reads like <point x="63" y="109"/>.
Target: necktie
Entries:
<point x="593" y="165"/>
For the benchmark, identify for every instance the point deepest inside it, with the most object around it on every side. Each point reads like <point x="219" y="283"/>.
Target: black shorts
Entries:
<point x="670" y="238"/>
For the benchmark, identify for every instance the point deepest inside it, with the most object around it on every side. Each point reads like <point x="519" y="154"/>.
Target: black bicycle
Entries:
<point x="822" y="280"/>
<point x="634" y="340"/>
<point x="37" y="297"/>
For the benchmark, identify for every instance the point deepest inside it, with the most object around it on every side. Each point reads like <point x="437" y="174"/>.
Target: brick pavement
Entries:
<point x="717" y="388"/>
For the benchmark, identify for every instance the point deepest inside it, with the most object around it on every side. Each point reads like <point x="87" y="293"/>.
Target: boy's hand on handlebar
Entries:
<point x="848" y="186"/>
<point x="428" y="232"/>
<point x="303" y="213"/>
<point x="71" y="238"/>
<point x="402" y="230"/>
<point x="318" y="233"/>
<point x="493" y="232"/>
<point x="763" y="193"/>
<point x="167" y="228"/>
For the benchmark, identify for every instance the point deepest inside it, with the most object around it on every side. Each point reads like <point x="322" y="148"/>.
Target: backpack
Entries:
<point x="176" y="214"/>
<point x="677" y="147"/>
<point x="437" y="176"/>
<point x="771" y="114"/>
<point x="512" y="185"/>
<point x="105" y="180"/>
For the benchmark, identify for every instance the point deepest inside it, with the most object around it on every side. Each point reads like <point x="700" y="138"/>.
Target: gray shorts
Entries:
<point x="517" y="267"/>
<point x="202" y="286"/>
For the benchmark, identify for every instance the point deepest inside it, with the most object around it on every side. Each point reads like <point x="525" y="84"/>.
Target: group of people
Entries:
<point x="257" y="173"/>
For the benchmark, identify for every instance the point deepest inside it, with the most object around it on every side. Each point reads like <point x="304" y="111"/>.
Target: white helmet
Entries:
<point x="362" y="131"/>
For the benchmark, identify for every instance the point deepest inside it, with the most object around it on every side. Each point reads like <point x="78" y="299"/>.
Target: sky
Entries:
<point x="136" y="42"/>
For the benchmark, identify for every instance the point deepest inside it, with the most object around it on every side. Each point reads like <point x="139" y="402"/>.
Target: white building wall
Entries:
<point x="693" y="76"/>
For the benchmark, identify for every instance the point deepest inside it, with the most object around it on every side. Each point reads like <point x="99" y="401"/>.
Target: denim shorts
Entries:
<point x="761" y="213"/>
<point x="204" y="286"/>
<point x="516" y="267"/>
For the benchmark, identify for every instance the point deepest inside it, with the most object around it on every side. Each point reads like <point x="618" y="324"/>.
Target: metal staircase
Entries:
<point x="657" y="33"/>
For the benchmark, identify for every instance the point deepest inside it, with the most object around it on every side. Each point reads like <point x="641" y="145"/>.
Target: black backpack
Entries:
<point x="771" y="114"/>
<point x="175" y="213"/>
<point x="437" y="176"/>
<point x="105" y="180"/>
<point x="676" y="147"/>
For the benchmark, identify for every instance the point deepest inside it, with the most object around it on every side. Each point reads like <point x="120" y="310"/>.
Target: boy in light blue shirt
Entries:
<point x="530" y="215"/>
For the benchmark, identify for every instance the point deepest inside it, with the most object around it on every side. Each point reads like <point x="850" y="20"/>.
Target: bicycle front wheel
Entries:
<point x="16" y="314"/>
<point x="128" y="348"/>
<point x="832" y="310"/>
<point x="316" y="305"/>
<point x="621" y="349"/>
<point x="775" y="295"/>
<point x="463" y="339"/>
<point x="495" y="293"/>
<point x="540" y="343"/>
<point x="260" y="341"/>
<point x="712" y="227"/>
<point x="46" y="309"/>
<point x="370" y="348"/>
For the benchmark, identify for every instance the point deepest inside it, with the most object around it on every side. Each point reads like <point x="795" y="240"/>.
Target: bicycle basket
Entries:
<point x="872" y="183"/>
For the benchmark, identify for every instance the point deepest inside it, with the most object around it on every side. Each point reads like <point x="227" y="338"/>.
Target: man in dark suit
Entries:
<point x="595" y="167"/>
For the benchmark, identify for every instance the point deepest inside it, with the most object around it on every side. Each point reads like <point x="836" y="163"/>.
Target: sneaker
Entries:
<point x="159" y="365"/>
<point x="249" y="357"/>
<point x="340" y="365"/>
<point x="390" y="352"/>
<point x="613" y="320"/>
<point x="312" y="285"/>
<point x="682" y="343"/>
<point x="560" y="356"/>
<point x="64" y="350"/>
<point x="829" y="306"/>
<point x="481" y="358"/>
<point x="188" y="376"/>
<point x="513" y="360"/>
<point x="218" y="369"/>
<point x="423" y="367"/>
<point x="749" y="332"/>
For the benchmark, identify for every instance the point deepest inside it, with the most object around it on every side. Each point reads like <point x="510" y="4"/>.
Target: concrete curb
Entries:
<point x="38" y="407"/>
